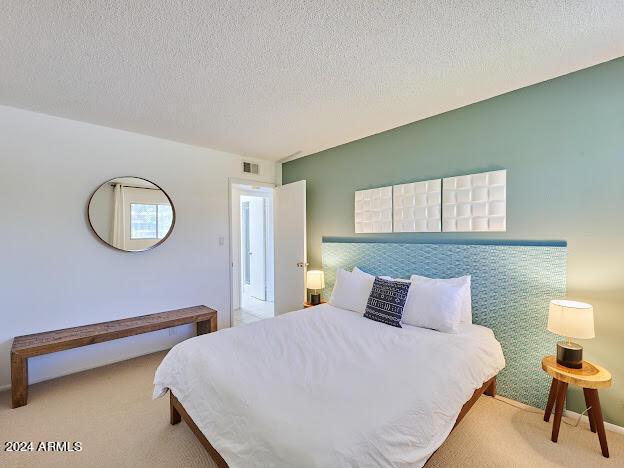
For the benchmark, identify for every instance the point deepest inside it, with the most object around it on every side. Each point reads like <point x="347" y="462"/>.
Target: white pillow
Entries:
<point x="351" y="291"/>
<point x="390" y="278"/>
<point x="433" y="304"/>
<point x="463" y="282"/>
<point x="361" y="273"/>
<point x="357" y="271"/>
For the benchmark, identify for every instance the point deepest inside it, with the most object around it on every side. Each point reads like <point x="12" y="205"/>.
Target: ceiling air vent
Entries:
<point x="251" y="167"/>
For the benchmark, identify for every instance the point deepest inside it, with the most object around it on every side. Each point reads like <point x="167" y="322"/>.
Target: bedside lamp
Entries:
<point x="315" y="280"/>
<point x="573" y="320"/>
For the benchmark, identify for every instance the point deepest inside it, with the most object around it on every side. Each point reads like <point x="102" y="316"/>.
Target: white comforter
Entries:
<point x="325" y="387"/>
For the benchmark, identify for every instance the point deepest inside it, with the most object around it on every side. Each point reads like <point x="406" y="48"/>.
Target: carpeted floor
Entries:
<point x="110" y="411"/>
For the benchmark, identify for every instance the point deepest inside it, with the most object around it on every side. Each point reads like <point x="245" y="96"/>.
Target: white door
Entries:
<point x="289" y="206"/>
<point x="257" y="246"/>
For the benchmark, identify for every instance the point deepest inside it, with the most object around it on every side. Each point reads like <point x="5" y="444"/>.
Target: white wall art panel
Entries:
<point x="475" y="202"/>
<point x="373" y="210"/>
<point x="417" y="206"/>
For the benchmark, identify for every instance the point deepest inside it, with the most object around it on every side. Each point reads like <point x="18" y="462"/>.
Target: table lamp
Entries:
<point x="573" y="320"/>
<point x="316" y="281"/>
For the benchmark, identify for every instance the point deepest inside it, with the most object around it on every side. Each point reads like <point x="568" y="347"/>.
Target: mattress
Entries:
<point x="325" y="387"/>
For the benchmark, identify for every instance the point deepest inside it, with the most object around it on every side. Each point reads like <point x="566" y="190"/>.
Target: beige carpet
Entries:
<point x="111" y="412"/>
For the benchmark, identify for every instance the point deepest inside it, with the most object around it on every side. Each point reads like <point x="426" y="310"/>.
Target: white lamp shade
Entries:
<point x="315" y="279"/>
<point x="571" y="319"/>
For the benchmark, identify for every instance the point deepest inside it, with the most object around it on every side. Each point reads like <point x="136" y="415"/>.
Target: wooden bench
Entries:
<point x="37" y="344"/>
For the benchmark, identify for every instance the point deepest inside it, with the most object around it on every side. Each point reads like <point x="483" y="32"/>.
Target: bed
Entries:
<point x="327" y="387"/>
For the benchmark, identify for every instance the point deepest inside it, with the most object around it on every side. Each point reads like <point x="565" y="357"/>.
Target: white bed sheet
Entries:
<point x="325" y="387"/>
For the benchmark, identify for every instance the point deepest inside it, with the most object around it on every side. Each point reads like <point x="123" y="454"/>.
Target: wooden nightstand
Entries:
<point x="307" y="304"/>
<point x="590" y="378"/>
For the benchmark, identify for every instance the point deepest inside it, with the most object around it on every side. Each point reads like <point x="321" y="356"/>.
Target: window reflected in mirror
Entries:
<point x="149" y="221"/>
<point x="131" y="214"/>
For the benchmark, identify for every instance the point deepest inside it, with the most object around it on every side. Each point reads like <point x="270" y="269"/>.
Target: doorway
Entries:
<point x="252" y="253"/>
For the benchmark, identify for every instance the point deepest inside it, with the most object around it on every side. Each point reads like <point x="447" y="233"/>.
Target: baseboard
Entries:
<point x="517" y="404"/>
<point x="106" y="362"/>
<point x="608" y="426"/>
<point x="566" y="413"/>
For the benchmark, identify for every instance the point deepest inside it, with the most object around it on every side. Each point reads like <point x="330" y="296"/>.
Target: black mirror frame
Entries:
<point x="173" y="210"/>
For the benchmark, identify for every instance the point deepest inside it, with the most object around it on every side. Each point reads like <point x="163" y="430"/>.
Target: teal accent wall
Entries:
<point x="500" y="277"/>
<point x="562" y="143"/>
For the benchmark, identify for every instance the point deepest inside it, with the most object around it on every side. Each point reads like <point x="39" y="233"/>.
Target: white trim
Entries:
<point x="107" y="362"/>
<point x="608" y="426"/>
<point x="242" y="181"/>
<point x="566" y="413"/>
<point x="517" y="404"/>
<point x="292" y="156"/>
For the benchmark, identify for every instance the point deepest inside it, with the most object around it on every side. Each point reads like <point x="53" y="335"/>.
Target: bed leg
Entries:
<point x="491" y="390"/>
<point x="175" y="417"/>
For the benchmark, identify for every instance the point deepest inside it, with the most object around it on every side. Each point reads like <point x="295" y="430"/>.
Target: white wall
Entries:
<point x="56" y="273"/>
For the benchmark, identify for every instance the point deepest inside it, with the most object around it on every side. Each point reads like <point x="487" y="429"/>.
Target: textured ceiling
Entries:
<point x="271" y="78"/>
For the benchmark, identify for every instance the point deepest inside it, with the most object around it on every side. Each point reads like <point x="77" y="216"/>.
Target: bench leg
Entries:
<point x="19" y="380"/>
<point x="207" y="326"/>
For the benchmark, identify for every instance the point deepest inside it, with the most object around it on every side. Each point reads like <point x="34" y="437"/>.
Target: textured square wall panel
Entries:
<point x="475" y="202"/>
<point x="417" y="206"/>
<point x="373" y="210"/>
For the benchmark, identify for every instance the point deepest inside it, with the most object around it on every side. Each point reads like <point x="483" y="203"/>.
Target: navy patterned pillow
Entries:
<point x="386" y="301"/>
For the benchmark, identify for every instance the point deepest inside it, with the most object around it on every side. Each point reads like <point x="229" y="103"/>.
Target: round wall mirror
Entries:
<point x="131" y="214"/>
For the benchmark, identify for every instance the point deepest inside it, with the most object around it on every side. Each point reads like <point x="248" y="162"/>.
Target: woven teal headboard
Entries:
<point x="512" y="284"/>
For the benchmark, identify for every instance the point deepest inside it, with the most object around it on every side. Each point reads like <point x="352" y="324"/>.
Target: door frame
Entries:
<point x="231" y="182"/>
<point x="245" y="244"/>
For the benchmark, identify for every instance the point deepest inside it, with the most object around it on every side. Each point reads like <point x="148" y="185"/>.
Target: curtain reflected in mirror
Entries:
<point x="131" y="214"/>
